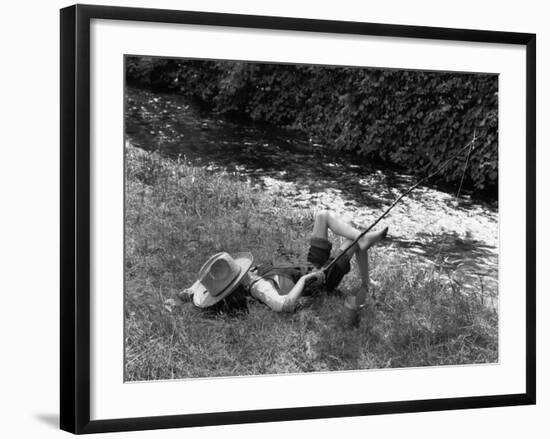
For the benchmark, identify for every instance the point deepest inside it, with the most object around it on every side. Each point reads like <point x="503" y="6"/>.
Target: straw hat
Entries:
<point x="219" y="276"/>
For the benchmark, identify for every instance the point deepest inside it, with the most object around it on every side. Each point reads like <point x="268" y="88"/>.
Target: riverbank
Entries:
<point x="459" y="233"/>
<point x="178" y="214"/>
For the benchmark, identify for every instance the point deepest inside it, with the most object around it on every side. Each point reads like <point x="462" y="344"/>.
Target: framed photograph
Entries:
<point x="275" y="218"/>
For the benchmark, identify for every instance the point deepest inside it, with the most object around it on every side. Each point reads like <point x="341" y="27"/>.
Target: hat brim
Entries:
<point x="203" y="299"/>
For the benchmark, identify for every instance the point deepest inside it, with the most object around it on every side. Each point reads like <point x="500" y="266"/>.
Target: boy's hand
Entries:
<point x="316" y="277"/>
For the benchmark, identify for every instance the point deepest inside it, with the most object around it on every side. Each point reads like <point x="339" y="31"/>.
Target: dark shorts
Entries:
<point x="319" y="255"/>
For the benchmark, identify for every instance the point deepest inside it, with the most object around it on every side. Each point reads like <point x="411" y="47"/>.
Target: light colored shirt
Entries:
<point x="271" y="290"/>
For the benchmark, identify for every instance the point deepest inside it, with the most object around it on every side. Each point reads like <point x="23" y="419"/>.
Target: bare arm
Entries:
<point x="294" y="294"/>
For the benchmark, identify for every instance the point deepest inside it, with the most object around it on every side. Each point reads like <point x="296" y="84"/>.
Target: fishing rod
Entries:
<point x="470" y="145"/>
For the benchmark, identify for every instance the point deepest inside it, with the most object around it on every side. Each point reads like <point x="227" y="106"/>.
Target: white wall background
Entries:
<point x="29" y="186"/>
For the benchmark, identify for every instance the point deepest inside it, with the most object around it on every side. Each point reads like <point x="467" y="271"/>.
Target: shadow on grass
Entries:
<point x="468" y="257"/>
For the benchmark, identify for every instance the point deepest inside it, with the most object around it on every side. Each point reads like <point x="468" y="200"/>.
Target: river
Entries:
<point x="458" y="234"/>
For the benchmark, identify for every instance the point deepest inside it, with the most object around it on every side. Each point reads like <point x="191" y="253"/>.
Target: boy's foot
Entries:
<point x="372" y="238"/>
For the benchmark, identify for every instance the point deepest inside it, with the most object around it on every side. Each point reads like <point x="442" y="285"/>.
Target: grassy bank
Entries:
<point x="177" y="215"/>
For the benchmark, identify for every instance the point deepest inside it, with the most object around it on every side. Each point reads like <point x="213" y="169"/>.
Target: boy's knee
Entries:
<point x="322" y="215"/>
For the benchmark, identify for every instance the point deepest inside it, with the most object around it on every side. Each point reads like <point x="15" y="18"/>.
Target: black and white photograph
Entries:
<point x="275" y="219"/>
<point x="300" y="218"/>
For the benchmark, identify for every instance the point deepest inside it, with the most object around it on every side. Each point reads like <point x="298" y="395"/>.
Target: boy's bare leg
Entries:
<point x="356" y="300"/>
<point x="325" y="220"/>
<point x="362" y="257"/>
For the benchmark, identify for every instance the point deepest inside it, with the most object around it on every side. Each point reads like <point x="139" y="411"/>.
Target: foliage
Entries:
<point x="411" y="119"/>
<point x="177" y="215"/>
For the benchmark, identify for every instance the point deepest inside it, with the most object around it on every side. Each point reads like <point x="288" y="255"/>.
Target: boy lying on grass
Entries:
<point x="280" y="289"/>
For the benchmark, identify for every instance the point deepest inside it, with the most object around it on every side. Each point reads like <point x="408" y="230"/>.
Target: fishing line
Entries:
<point x="466" y="166"/>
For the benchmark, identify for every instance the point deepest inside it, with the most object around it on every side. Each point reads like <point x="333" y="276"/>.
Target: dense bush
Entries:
<point x="412" y="119"/>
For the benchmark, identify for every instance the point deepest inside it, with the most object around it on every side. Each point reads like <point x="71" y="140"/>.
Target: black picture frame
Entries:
<point x="75" y="217"/>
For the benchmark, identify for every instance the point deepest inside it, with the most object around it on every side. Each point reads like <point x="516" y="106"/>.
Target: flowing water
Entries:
<point x="458" y="234"/>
